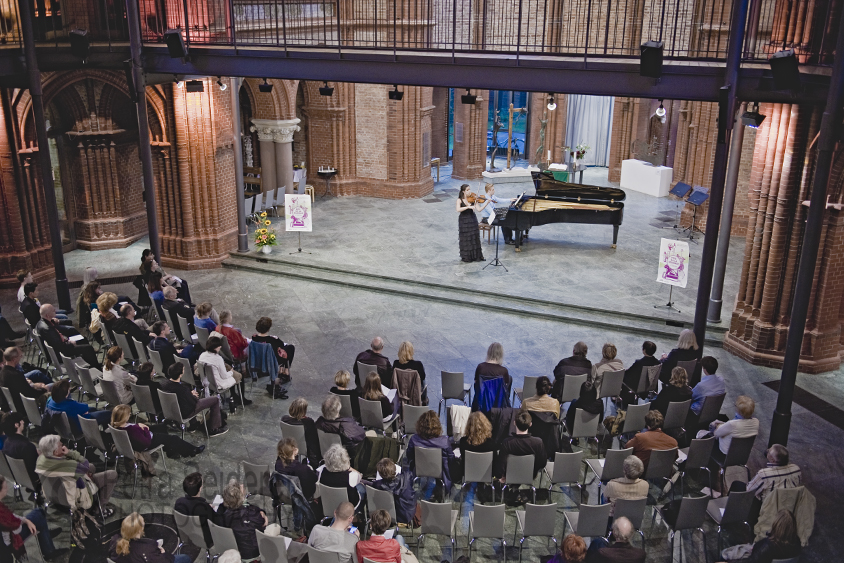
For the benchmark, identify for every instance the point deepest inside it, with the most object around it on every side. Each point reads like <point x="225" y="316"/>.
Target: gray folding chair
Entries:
<point x="410" y="415"/>
<point x="256" y="478"/>
<point x="170" y="408"/>
<point x="690" y="516"/>
<point x="611" y="384"/>
<point x="53" y="360"/>
<point x="737" y="455"/>
<point x="143" y="400"/>
<point x="365" y="369"/>
<point x="653" y="379"/>
<point x="94" y="438"/>
<point x="327" y="440"/>
<point x="675" y="415"/>
<point x="184" y="326"/>
<point x="140" y="350"/>
<point x="190" y="532"/>
<point x="202" y="335"/>
<point x="212" y="384"/>
<point x="730" y="509"/>
<point x="33" y="413"/>
<point x="110" y="393"/>
<point x="128" y="351"/>
<point x="453" y="387"/>
<point x="690" y="366"/>
<point x="661" y="466"/>
<point x="271" y="548"/>
<point x="125" y="450"/>
<point x="536" y="521"/>
<point x="6" y="471"/>
<point x="429" y="463"/>
<point x="377" y="499"/>
<point x="54" y="493"/>
<point x="585" y="426"/>
<point x="589" y="522"/>
<point x="22" y="476"/>
<point x="155" y="358"/>
<point x="9" y="400"/>
<point x="609" y="468"/>
<point x="438" y="519"/>
<point x="371" y="416"/>
<point x="564" y="469"/>
<point x="223" y="539"/>
<point x="63" y="428"/>
<point x="571" y="387"/>
<point x="487" y="522"/>
<point x="88" y="386"/>
<point x="633" y="510"/>
<point x="331" y="498"/>
<point x="635" y="419"/>
<point x="345" y="405"/>
<point x="697" y="457"/>
<point x="298" y="434"/>
<point x="70" y="369"/>
<point x="527" y="390"/>
<point x="710" y="409"/>
<point x="478" y="469"/>
<point x="187" y="372"/>
<point x="520" y="472"/>
<point x="319" y="556"/>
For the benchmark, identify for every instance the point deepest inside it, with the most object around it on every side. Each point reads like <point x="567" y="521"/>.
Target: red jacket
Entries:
<point x="379" y="548"/>
<point x="12" y="524"/>
<point x="237" y="342"/>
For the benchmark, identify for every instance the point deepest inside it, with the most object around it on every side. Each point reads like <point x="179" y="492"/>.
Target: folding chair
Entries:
<point x="9" y="400"/>
<point x="297" y="433"/>
<point x="140" y="350"/>
<point x="634" y="421"/>
<point x="271" y="548"/>
<point x="661" y="466"/>
<point x="585" y="426"/>
<point x="697" y="457"/>
<point x="571" y="387"/>
<point x="710" y="409"/>
<point x="125" y="450"/>
<point x="365" y="369"/>
<point x="143" y="400"/>
<point x="737" y="454"/>
<point x="155" y="358"/>
<point x="633" y="510"/>
<point x="190" y="531"/>
<point x="88" y="386"/>
<point x="611" y="384"/>
<point x="110" y="393"/>
<point x="33" y="413"/>
<point x="487" y="522"/>
<point x="371" y="417"/>
<point x="536" y="520"/>
<point x="94" y="438"/>
<point x="63" y="428"/>
<point x="319" y="556"/>
<point x="377" y="499"/>
<point x="128" y="351"/>
<point x="675" y="415"/>
<point x="327" y="440"/>
<point x="345" y="405"/>
<point x="208" y="370"/>
<point x="187" y="372"/>
<point x="224" y="540"/>
<point x="330" y="498"/>
<point x="170" y="407"/>
<point x="410" y="415"/>
<point x="438" y="519"/>
<point x="256" y="478"/>
<point x="185" y="327"/>
<point x="520" y="472"/>
<point x="202" y="335"/>
<point x="690" y="516"/>
<point x="6" y="471"/>
<point x="71" y="370"/>
<point x="691" y="368"/>
<point x="478" y="469"/>
<point x="564" y="469"/>
<point x="609" y="468"/>
<point x="453" y="387"/>
<point x="730" y="509"/>
<point x="589" y="522"/>
<point x="429" y="463"/>
<point x="528" y="388"/>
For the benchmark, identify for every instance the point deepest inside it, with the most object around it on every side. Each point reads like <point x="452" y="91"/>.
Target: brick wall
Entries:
<point x="371" y="134"/>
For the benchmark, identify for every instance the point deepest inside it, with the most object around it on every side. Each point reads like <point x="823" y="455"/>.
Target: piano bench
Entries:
<point x="485" y="228"/>
<point x="309" y="189"/>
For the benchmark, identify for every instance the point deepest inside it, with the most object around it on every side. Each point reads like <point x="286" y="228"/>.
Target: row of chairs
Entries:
<point x="267" y="201"/>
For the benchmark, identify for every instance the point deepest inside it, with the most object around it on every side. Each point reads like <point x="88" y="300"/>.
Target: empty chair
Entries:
<point x="453" y="387"/>
<point x="410" y="415"/>
<point x="564" y="469"/>
<point x="661" y="465"/>
<point x="170" y="408"/>
<point x="297" y="433"/>
<point x="478" y="469"/>
<point x="345" y="405"/>
<point x="155" y="358"/>
<point x="140" y="349"/>
<point x="94" y="437"/>
<point x="487" y="522"/>
<point x="22" y="476"/>
<point x="439" y="519"/>
<point x="271" y="548"/>
<point x="528" y="390"/>
<point x="6" y="471"/>
<point x="184" y="327"/>
<point x="125" y="450"/>
<point x="326" y="440"/>
<point x="571" y="387"/>
<point x="589" y="522"/>
<point x="520" y="472"/>
<point x="70" y="369"/>
<point x="143" y="400"/>
<point x="202" y="335"/>
<point x="190" y="531"/>
<point x="33" y="413"/>
<point x="737" y="454"/>
<point x="9" y="400"/>
<point x="710" y="409"/>
<point x="128" y="351"/>
<point x="611" y="467"/>
<point x="429" y="463"/>
<point x="371" y="416"/>
<point x="611" y="384"/>
<point x="536" y="520"/>
<point x="675" y="415"/>
<point x="731" y="509"/>
<point x="635" y="419"/>
<point x="88" y="386"/>
<point x="689" y="516"/>
<point x="633" y="510"/>
<point x="697" y="457"/>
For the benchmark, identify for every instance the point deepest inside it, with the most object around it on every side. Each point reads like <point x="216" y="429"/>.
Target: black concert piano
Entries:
<point x="562" y="202"/>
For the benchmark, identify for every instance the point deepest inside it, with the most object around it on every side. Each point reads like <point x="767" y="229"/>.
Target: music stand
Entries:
<point x="495" y="261"/>
<point x="699" y="195"/>
<point x="680" y="191"/>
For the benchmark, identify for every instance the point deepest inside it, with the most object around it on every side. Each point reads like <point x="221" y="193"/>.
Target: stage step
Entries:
<point x="647" y="326"/>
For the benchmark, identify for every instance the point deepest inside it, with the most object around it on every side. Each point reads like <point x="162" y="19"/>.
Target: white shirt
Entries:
<point x="21" y="294"/>
<point x="121" y="378"/>
<point x="222" y="377"/>
<point x="736" y="428"/>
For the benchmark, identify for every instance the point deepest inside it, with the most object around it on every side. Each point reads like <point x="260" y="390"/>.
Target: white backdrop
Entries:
<point x="589" y="121"/>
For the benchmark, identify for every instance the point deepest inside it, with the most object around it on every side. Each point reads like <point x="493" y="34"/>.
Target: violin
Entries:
<point x="475" y="198"/>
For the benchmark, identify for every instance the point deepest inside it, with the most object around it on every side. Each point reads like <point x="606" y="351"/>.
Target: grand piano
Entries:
<point x="561" y="202"/>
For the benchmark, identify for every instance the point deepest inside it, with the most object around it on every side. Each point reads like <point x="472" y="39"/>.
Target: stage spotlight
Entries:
<point x="221" y="84"/>
<point x="195" y="86"/>
<point x="80" y="43"/>
<point x="326" y="90"/>
<point x="175" y="44"/>
<point x="753" y="118"/>
<point x="266" y="87"/>
<point x="650" y="59"/>
<point x="395" y="94"/>
<point x="468" y="98"/>
<point x="179" y="84"/>
<point x="660" y="111"/>
<point x="552" y="105"/>
<point x="785" y="70"/>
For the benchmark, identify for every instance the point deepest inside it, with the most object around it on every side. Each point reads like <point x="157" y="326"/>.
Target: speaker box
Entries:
<point x="785" y="70"/>
<point x="650" y="59"/>
<point x="195" y="86"/>
<point x="80" y="43"/>
<point x="175" y="44"/>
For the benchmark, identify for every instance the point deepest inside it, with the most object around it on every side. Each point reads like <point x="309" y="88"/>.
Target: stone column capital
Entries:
<point x="276" y="130"/>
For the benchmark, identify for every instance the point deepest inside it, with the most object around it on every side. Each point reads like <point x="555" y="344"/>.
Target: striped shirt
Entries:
<point x="774" y="477"/>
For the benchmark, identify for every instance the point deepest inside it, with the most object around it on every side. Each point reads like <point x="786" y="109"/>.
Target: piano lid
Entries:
<point x="547" y="185"/>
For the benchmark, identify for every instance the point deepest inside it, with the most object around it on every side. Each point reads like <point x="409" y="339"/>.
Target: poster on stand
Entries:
<point x="298" y="214"/>
<point x="673" y="263"/>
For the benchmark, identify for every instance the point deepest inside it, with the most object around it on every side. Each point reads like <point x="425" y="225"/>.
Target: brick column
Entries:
<point x="470" y="129"/>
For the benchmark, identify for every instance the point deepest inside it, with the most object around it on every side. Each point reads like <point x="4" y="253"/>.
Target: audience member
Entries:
<point x="573" y="550"/>
<point x="543" y="401"/>
<point x="777" y="474"/>
<point x="189" y="402"/>
<point x="378" y="547"/>
<point x="131" y="546"/>
<point x="676" y="391"/>
<point x="287" y="463"/>
<point x="15" y="529"/>
<point x="166" y="350"/>
<point x="60" y="401"/>
<point x="429" y="434"/>
<point x="406" y="361"/>
<point x="144" y="375"/>
<point x="132" y="327"/>
<point x="113" y="371"/>
<point x="284" y="351"/>
<point x="18" y="446"/>
<point x="298" y="416"/>
<point x="77" y="474"/>
<point x="150" y="266"/>
<point x="7" y="334"/>
<point x="782" y="541"/>
<point x="710" y="383"/>
<point x="143" y="438"/>
<point x="629" y="487"/>
<point x="232" y="555"/>
<point x="477" y="436"/>
<point x="338" y="473"/>
<point x="242" y="518"/>
<point x="237" y="342"/>
<point x="587" y="401"/>
<point x="24" y="277"/>
<point x="400" y="485"/>
<point x="634" y="372"/>
<point x="351" y="433"/>
<point x="742" y="426"/>
<point x="105" y="306"/>
<point x="372" y="392"/>
<point x="652" y="438"/>
<point x="58" y="337"/>
<point x="373" y="357"/>
<point x="178" y="307"/>
<point x="522" y="443"/>
<point x="155" y="288"/>
<point x="608" y="362"/>
<point x="686" y="350"/>
<point x="339" y="537"/>
<point x="576" y="364"/>
<point x="224" y="376"/>
<point x="90" y="293"/>
<point x="13" y="378"/>
<point x="202" y="318"/>
<point x="32" y="373"/>
<point x="194" y="504"/>
<point x="341" y="387"/>
<point x="30" y="307"/>
<point x="620" y="551"/>
<point x="492" y="368"/>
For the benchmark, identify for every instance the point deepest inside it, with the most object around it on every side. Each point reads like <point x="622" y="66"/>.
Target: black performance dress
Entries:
<point x="470" y="238"/>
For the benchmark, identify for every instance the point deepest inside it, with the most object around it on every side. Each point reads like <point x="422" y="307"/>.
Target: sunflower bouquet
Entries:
<point x="264" y="233"/>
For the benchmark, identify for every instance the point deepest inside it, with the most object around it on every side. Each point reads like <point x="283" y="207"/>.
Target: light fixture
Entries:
<point x="753" y="118"/>
<point x="395" y="94"/>
<point x="175" y="44"/>
<point x="785" y="70"/>
<point x="326" y="90"/>
<point x="221" y="84"/>
<point x="650" y="59"/>
<point x="660" y="111"/>
<point x="468" y="98"/>
<point x="266" y="87"/>
<point x="194" y="86"/>
<point x="179" y="83"/>
<point x="552" y="105"/>
<point x="80" y="43"/>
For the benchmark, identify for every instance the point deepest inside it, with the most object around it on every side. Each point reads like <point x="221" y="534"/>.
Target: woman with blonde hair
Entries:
<point x="372" y="392"/>
<point x="287" y="463"/>
<point x="341" y="387"/>
<point x="105" y="307"/>
<point x="406" y="361"/>
<point x="144" y="438"/>
<point x="132" y="547"/>
<point x="492" y="368"/>
<point x="113" y="371"/>
<point x="477" y="437"/>
<point x="608" y="362"/>
<point x="243" y="519"/>
<point x="676" y="391"/>
<point x="686" y="350"/>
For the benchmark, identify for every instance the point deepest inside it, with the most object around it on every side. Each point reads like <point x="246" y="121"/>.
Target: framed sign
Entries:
<point x="673" y="263"/>
<point x="298" y="214"/>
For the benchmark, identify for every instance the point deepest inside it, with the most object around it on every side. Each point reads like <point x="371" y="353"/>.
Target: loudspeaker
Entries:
<point x="175" y="44"/>
<point x="265" y="87"/>
<point x="468" y="99"/>
<point x="326" y="90"/>
<point x="723" y="115"/>
<point x="395" y="94"/>
<point x="194" y="86"/>
<point x="80" y="43"/>
<point x="785" y="70"/>
<point x="650" y="59"/>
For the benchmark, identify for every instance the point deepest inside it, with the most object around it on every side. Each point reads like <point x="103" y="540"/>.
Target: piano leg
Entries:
<point x="614" y="235"/>
<point x="518" y="241"/>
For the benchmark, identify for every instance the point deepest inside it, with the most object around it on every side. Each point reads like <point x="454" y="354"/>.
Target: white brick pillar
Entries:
<point x="280" y="133"/>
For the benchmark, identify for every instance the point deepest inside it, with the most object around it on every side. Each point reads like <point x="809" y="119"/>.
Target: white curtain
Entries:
<point x="589" y="121"/>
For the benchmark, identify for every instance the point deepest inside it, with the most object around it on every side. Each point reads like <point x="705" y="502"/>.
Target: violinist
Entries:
<point x="469" y="237"/>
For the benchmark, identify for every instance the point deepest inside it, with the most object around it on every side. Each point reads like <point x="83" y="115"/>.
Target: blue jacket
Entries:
<point x="493" y="395"/>
<point x="262" y="358"/>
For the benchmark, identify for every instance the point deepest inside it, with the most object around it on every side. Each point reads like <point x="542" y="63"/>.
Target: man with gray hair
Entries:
<point x="620" y="551"/>
<point x="373" y="357"/>
<point x="351" y="433"/>
<point x="629" y="487"/>
<point x="64" y="339"/>
<point x="777" y="474"/>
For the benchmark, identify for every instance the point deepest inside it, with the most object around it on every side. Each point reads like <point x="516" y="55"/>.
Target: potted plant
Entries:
<point x="265" y="238"/>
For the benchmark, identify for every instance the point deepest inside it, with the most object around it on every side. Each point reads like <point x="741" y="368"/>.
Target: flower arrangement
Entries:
<point x="264" y="233"/>
<point x="579" y="151"/>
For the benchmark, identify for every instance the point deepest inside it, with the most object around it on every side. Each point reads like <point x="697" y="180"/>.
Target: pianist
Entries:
<point x="489" y="211"/>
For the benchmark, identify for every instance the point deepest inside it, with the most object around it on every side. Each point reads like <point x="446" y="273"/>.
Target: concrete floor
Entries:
<point x="330" y="325"/>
